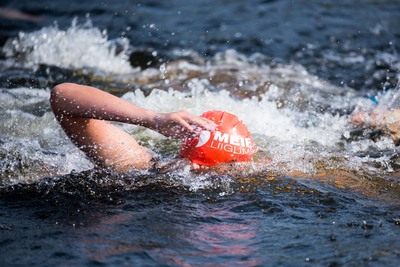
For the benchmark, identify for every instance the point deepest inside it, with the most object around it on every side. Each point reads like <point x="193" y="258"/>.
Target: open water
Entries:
<point x="293" y="71"/>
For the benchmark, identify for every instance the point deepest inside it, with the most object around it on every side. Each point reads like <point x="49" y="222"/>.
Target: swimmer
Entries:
<point x="385" y="116"/>
<point x="84" y="113"/>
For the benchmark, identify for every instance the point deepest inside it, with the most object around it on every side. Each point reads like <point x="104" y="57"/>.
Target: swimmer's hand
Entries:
<point x="180" y="124"/>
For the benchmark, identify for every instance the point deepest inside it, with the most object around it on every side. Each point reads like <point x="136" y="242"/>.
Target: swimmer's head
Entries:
<point x="230" y="141"/>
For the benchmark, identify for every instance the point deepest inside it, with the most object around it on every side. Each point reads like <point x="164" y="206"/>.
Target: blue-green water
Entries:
<point x="293" y="71"/>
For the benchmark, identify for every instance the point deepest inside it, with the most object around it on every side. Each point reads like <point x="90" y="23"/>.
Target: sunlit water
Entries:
<point x="329" y="195"/>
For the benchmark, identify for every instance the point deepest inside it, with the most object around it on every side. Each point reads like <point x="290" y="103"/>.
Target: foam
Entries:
<point x="291" y="113"/>
<point x="78" y="47"/>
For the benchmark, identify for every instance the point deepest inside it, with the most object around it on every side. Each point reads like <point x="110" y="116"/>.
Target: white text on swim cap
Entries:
<point x="232" y="139"/>
<point x="232" y="143"/>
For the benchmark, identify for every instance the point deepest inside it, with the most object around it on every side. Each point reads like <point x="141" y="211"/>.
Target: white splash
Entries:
<point x="284" y="115"/>
<point x="78" y="47"/>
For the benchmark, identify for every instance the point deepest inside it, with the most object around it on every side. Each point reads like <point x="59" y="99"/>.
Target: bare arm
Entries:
<point x="386" y="120"/>
<point x="366" y="119"/>
<point x="79" y="101"/>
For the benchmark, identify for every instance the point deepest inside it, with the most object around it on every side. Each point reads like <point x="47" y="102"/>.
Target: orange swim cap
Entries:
<point x="229" y="141"/>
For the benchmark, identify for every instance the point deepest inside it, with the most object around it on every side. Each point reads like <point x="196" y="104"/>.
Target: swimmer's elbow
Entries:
<point x="55" y="94"/>
<point x="60" y="91"/>
<point x="58" y="96"/>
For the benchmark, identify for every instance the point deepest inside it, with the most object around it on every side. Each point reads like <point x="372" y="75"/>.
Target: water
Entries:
<point x="293" y="71"/>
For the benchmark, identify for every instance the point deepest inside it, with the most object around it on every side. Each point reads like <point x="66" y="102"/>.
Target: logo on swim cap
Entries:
<point x="203" y="138"/>
<point x="230" y="141"/>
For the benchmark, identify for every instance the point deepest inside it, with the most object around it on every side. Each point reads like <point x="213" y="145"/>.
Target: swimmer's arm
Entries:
<point x="380" y="119"/>
<point x="79" y="101"/>
<point x="366" y="119"/>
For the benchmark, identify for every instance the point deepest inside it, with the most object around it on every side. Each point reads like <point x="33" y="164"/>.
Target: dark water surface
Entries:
<point x="317" y="34"/>
<point x="293" y="71"/>
<point x="279" y="222"/>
